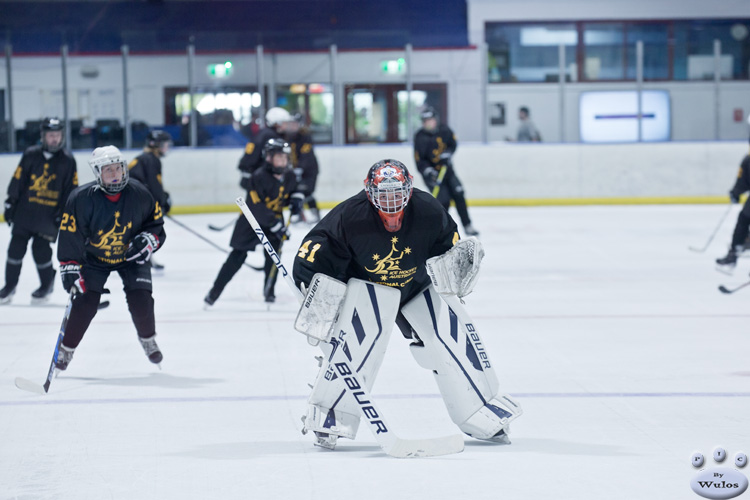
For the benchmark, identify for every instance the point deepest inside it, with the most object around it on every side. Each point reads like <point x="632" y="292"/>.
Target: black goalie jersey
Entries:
<point x="351" y="242"/>
<point x="97" y="228"/>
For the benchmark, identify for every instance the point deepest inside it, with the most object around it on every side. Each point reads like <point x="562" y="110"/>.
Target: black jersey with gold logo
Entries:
<point x="97" y="228"/>
<point x="429" y="145"/>
<point x="267" y="197"/>
<point x="39" y="188"/>
<point x="351" y="242"/>
<point x="146" y="168"/>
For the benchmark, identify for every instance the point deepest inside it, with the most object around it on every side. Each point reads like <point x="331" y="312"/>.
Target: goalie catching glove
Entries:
<point x="456" y="271"/>
<point x="141" y="248"/>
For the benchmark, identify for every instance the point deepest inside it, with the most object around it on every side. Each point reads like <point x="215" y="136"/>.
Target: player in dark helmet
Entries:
<point x="44" y="178"/>
<point x="271" y="188"/>
<point x="146" y="168"/>
<point x="434" y="145"/>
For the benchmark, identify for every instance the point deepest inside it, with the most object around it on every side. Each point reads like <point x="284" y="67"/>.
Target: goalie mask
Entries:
<point x="389" y="186"/>
<point x="109" y="168"/>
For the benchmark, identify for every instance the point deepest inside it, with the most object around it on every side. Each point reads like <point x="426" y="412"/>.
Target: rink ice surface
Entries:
<point x="610" y="333"/>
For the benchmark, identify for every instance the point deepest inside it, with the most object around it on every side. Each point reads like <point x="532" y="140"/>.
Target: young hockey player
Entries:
<point x="110" y="225"/>
<point x="37" y="192"/>
<point x="434" y="145"/>
<point x="742" y="228"/>
<point x="395" y="235"/>
<point x="270" y="189"/>
<point x="277" y="120"/>
<point x="305" y="165"/>
<point x="146" y="168"/>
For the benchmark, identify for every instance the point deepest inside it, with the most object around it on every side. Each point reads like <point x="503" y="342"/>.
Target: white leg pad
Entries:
<point x="453" y="349"/>
<point x="367" y="315"/>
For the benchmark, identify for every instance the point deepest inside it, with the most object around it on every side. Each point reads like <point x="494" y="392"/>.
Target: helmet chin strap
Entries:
<point x="392" y="222"/>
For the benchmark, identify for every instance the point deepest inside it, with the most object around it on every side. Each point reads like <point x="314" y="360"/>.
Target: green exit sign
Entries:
<point x="222" y="70"/>
<point x="395" y="67"/>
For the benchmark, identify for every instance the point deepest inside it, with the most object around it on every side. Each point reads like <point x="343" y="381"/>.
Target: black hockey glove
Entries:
<point x="296" y="202"/>
<point x="141" y="248"/>
<point x="280" y="231"/>
<point x="245" y="180"/>
<point x="446" y="155"/>
<point x="10" y="210"/>
<point x="70" y="274"/>
<point x="732" y="197"/>
<point x="430" y="175"/>
<point x="167" y="203"/>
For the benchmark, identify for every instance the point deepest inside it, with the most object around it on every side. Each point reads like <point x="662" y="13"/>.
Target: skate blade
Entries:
<point x="39" y="301"/>
<point x="729" y="271"/>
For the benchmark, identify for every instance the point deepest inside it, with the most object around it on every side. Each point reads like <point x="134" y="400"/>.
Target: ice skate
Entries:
<point x="6" y="294"/>
<point x="470" y="231"/>
<point x="64" y="355"/>
<point x="209" y="300"/>
<point x="152" y="350"/>
<point x="42" y="294"/>
<point x="727" y="263"/>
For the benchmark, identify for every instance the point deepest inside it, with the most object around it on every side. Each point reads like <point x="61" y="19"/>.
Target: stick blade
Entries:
<point x="699" y="250"/>
<point x="27" y="385"/>
<point x="724" y="289"/>
<point x="433" y="447"/>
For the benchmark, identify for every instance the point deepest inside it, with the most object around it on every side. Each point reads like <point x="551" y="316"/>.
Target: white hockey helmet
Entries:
<point x="104" y="156"/>
<point x="277" y="116"/>
<point x="389" y="186"/>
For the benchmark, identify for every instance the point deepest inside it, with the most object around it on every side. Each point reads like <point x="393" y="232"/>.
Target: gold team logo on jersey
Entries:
<point x="441" y="147"/>
<point x="274" y="204"/>
<point x="389" y="267"/>
<point x="111" y="242"/>
<point x="39" y="191"/>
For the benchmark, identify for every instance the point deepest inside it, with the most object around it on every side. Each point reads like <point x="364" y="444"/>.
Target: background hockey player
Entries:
<point x="434" y="145"/>
<point x="146" y="168"/>
<point x="392" y="234"/>
<point x="270" y="189"/>
<point x="42" y="182"/>
<point x="110" y="225"/>
<point x="305" y="164"/>
<point x="277" y="121"/>
<point x="742" y="228"/>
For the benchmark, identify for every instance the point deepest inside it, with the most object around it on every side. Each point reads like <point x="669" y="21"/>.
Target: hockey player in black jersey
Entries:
<point x="742" y="228"/>
<point x="110" y="225"/>
<point x="42" y="182"/>
<point x="434" y="145"/>
<point x="277" y="120"/>
<point x="395" y="235"/>
<point x="146" y="168"/>
<point x="270" y="189"/>
<point x="305" y="165"/>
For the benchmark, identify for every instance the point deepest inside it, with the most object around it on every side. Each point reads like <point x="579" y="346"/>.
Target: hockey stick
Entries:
<point x="439" y="181"/>
<point x="188" y="229"/>
<point x="724" y="289"/>
<point x="28" y="385"/>
<point x="221" y="228"/>
<point x="339" y="363"/>
<point x="711" y="238"/>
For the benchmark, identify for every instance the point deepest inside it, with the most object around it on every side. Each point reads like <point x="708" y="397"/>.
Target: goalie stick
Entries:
<point x="340" y="364"/>
<point x="711" y="238"/>
<point x="189" y="230"/>
<point x="28" y="385"/>
<point x="724" y="289"/>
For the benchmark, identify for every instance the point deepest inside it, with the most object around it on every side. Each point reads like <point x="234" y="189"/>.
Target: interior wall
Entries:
<point x="490" y="172"/>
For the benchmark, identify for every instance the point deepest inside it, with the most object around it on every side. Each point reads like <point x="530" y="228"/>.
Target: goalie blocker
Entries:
<point x="445" y="341"/>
